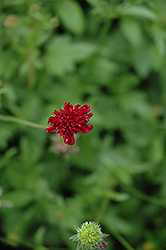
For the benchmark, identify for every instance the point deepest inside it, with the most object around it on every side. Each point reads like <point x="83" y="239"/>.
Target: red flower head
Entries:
<point x="70" y="120"/>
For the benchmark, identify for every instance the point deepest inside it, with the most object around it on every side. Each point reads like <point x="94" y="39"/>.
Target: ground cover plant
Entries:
<point x="108" y="56"/>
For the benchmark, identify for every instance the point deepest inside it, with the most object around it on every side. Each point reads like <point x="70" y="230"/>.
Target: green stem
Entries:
<point x="102" y="209"/>
<point x="140" y="195"/>
<point x="121" y="239"/>
<point x="17" y="120"/>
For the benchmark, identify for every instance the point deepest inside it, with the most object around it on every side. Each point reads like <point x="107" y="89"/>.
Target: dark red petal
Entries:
<point x="51" y="119"/>
<point x="79" y="118"/>
<point x="84" y="109"/>
<point x="76" y="106"/>
<point x="51" y="129"/>
<point x="86" y="106"/>
<point x="77" y="130"/>
<point x="89" y="115"/>
<point x="69" y="140"/>
<point x="61" y="132"/>
<point x="56" y="112"/>
<point x="68" y="106"/>
<point x="88" y="128"/>
<point x="80" y="129"/>
<point x="83" y="129"/>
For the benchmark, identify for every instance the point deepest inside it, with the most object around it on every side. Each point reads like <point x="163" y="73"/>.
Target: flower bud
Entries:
<point x="89" y="235"/>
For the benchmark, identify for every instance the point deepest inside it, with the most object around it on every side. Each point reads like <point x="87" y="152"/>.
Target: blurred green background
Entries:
<point x="110" y="54"/>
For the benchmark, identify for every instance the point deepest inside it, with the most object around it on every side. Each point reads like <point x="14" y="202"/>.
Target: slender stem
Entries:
<point x="17" y="120"/>
<point x="114" y="232"/>
<point x="102" y="209"/>
<point x="140" y="195"/>
<point x="121" y="239"/>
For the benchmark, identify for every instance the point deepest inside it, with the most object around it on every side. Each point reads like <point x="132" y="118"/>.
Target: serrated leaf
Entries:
<point x="71" y="16"/>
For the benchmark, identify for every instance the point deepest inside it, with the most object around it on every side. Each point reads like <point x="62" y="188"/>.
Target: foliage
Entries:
<point x="111" y="55"/>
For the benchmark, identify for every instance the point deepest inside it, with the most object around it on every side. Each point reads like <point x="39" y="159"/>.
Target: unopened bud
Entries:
<point x="89" y="235"/>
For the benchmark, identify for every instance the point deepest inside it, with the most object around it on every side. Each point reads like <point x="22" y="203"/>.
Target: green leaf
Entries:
<point x="71" y="16"/>
<point x="140" y="11"/>
<point x="94" y="3"/>
<point x="135" y="102"/>
<point x="157" y="151"/>
<point x="18" y="198"/>
<point x="99" y="69"/>
<point x="39" y="236"/>
<point x="138" y="168"/>
<point x="132" y="31"/>
<point x="82" y="50"/>
<point x="115" y="222"/>
<point x="6" y="132"/>
<point x="63" y="54"/>
<point x="113" y="195"/>
<point x="5" y="159"/>
<point x="123" y="177"/>
<point x="142" y="60"/>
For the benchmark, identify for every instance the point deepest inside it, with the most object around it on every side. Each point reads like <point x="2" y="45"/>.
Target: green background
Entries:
<point x="110" y="54"/>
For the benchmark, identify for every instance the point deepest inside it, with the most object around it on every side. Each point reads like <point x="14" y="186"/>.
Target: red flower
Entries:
<point x="70" y="120"/>
<point x="102" y="246"/>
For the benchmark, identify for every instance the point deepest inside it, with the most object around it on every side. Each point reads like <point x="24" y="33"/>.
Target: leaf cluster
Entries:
<point x="111" y="55"/>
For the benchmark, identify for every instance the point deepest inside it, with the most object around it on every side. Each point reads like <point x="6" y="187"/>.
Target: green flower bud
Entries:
<point x="88" y="235"/>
